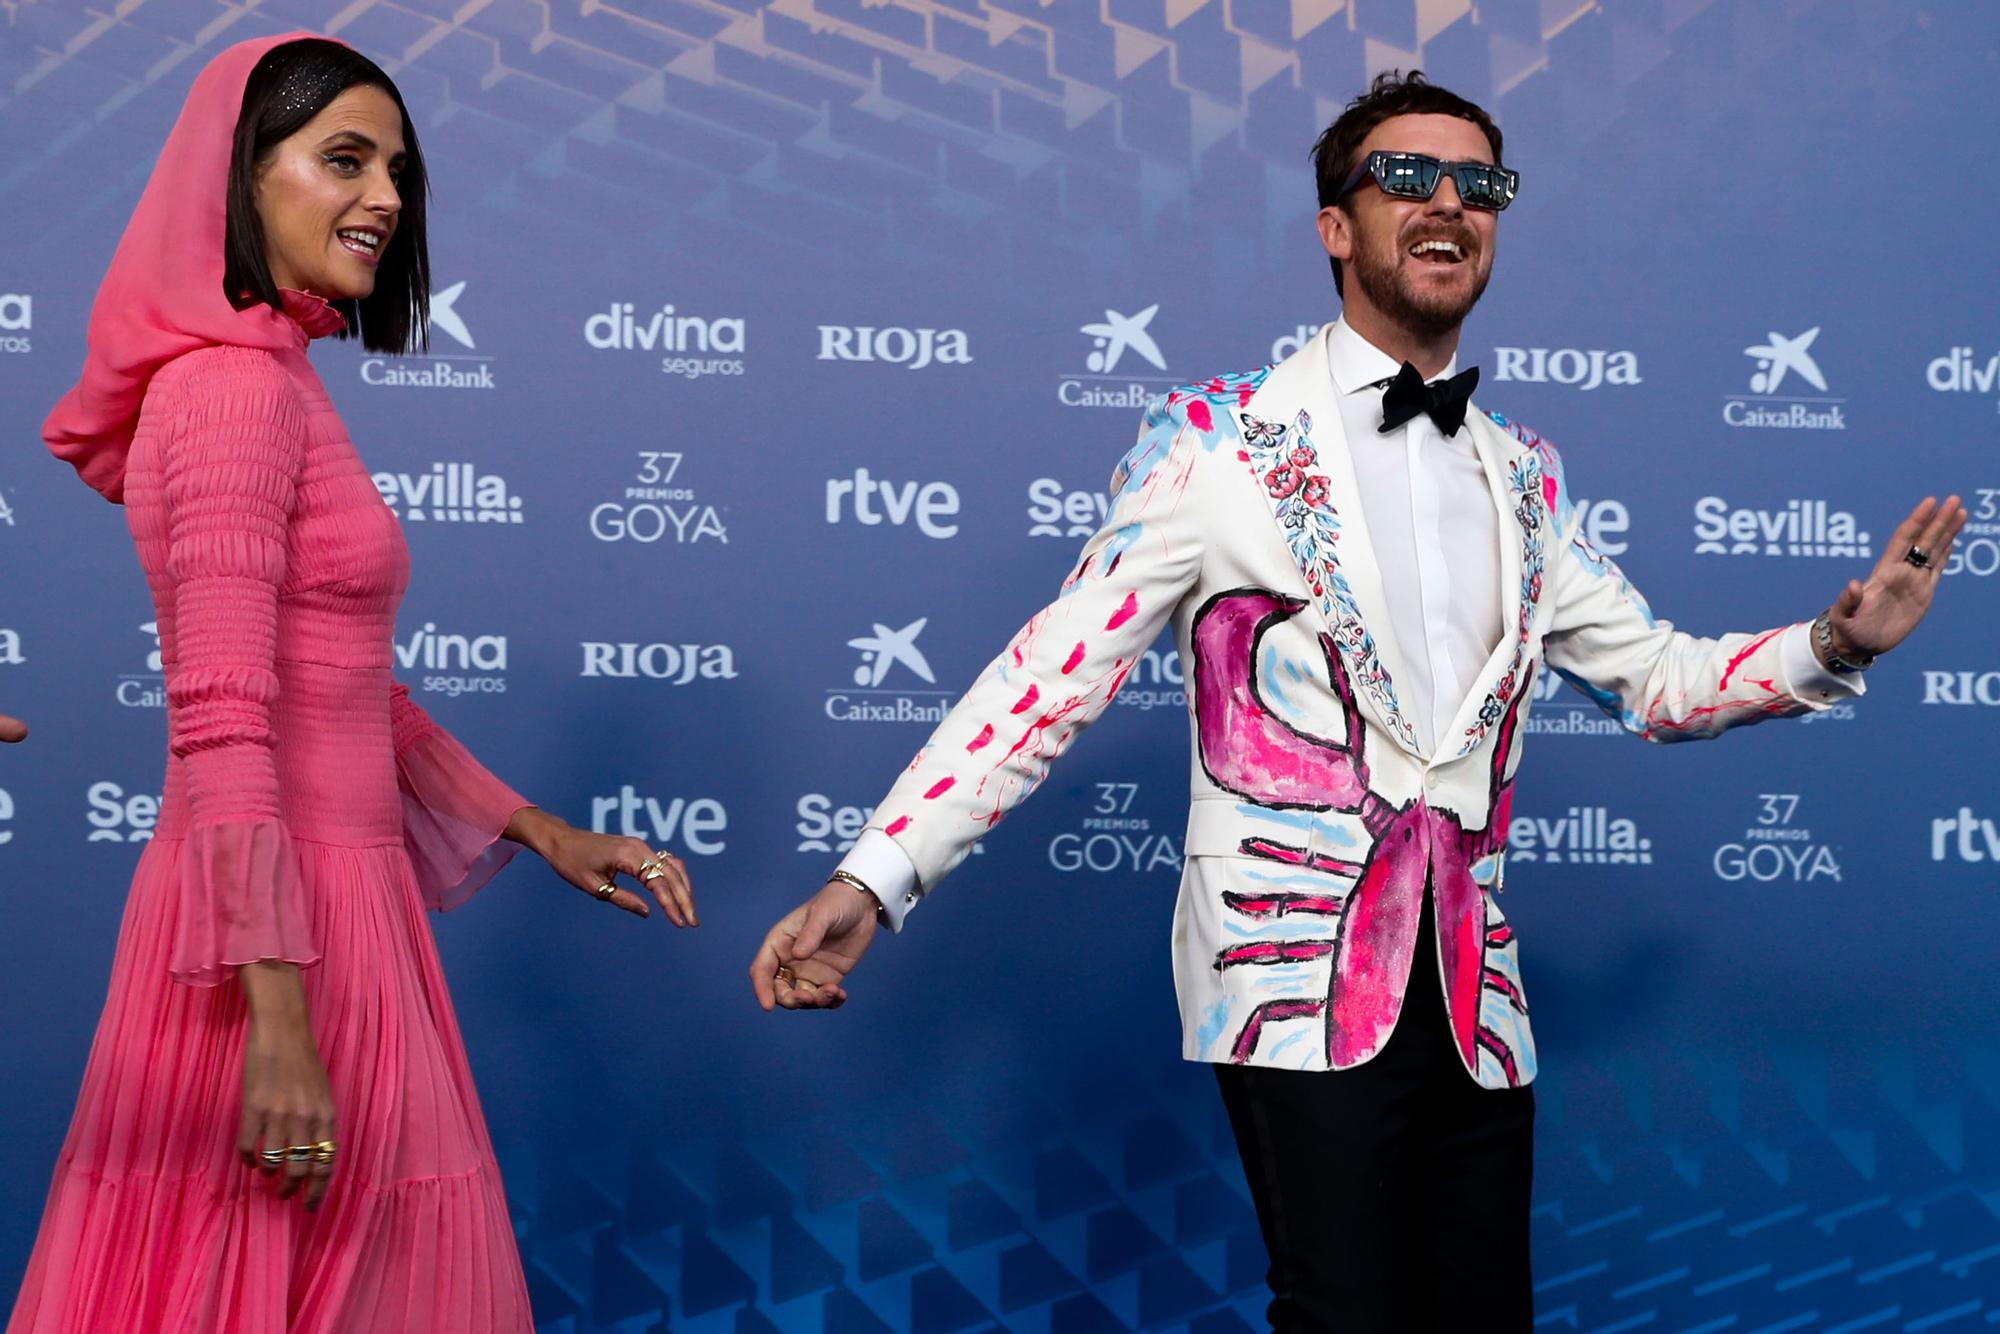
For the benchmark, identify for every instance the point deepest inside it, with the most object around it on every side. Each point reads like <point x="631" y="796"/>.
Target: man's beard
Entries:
<point x="1427" y="315"/>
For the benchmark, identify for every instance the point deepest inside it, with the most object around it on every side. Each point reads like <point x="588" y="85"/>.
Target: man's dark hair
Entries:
<point x="290" y="85"/>
<point x="1393" y="93"/>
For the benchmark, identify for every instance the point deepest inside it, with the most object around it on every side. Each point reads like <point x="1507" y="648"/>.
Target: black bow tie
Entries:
<point x="1443" y="401"/>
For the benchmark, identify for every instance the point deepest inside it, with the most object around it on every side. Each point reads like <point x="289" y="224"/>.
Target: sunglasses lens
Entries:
<point x="1484" y="187"/>
<point x="1407" y="175"/>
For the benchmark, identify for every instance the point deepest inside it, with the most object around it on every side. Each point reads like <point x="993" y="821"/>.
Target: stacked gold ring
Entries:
<point x="605" y="890"/>
<point x="324" y="1151"/>
<point x="272" y="1157"/>
<point x="650" y="869"/>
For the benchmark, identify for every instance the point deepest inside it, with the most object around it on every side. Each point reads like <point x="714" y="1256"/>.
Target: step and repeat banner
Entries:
<point x="781" y="352"/>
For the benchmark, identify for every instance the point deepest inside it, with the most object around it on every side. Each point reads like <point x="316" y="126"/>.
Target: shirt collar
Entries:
<point x="1358" y="364"/>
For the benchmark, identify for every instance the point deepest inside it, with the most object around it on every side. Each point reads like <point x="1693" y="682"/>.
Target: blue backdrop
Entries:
<point x="646" y="539"/>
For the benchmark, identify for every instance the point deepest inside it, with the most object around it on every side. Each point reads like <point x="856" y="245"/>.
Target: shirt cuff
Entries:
<point x="1806" y="678"/>
<point x="877" y="862"/>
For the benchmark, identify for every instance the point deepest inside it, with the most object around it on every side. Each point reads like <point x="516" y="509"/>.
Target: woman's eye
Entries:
<point x="343" y="162"/>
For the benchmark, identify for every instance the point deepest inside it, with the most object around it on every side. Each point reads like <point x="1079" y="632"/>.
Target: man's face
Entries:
<point x="1423" y="289"/>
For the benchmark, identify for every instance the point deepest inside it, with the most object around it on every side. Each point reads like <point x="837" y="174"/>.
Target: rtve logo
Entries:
<point x="695" y="823"/>
<point x="1966" y="837"/>
<point x="929" y="503"/>
<point x="912" y="349"/>
<point x="1579" y="368"/>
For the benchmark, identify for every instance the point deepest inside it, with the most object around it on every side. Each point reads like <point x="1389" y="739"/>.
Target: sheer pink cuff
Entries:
<point x="454" y="812"/>
<point x="242" y="901"/>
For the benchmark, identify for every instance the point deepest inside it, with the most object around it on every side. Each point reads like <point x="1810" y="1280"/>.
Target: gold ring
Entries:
<point x="299" y="1153"/>
<point x="272" y="1157"/>
<point x="605" y="890"/>
<point x="651" y="870"/>
<point x="324" y="1151"/>
<point x="787" y="976"/>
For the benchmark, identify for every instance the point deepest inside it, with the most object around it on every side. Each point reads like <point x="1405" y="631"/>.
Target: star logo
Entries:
<point x="1119" y="334"/>
<point x="885" y="648"/>
<point x="1783" y="356"/>
<point x="445" y="317"/>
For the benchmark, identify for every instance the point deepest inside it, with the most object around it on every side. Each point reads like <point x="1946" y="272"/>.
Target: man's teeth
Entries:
<point x="1445" y="247"/>
<point x="365" y="239"/>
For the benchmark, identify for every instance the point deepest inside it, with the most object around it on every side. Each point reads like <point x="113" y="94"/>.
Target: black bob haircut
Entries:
<point x="1393" y="93"/>
<point x="290" y="85"/>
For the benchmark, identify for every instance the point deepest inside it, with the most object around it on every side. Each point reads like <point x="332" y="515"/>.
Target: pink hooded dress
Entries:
<point x="311" y="813"/>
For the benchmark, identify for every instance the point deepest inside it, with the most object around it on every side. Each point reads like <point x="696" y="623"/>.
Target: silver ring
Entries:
<point x="1918" y="557"/>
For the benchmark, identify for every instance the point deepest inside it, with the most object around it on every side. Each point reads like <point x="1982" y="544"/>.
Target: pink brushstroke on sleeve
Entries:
<point x="1198" y="415"/>
<point x="1075" y="657"/>
<point x="981" y="741"/>
<point x="1027" y="701"/>
<point x="1749" y="649"/>
<point x="1126" y="611"/>
<point x="897" y="825"/>
<point x="939" y="788"/>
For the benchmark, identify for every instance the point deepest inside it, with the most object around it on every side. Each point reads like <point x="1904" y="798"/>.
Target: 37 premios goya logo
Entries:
<point x="1977" y="551"/>
<point x="658" y="508"/>
<point x="1110" y="837"/>
<point x="1778" y="848"/>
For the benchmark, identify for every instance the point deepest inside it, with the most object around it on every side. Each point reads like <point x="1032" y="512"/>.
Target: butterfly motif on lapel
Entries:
<point x="1285" y="463"/>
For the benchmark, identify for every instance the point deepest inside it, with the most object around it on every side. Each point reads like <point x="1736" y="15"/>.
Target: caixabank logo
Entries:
<point x="689" y="346"/>
<point x="117" y="816"/>
<point x="695" y="824"/>
<point x="1112" y="836"/>
<point x="6" y="816"/>
<point x="465" y="369"/>
<point x="17" y="322"/>
<point x="1118" y="344"/>
<point x="880" y="691"/>
<point x="1786" y="362"/>
<point x="659" y="507"/>
<point x="1778" y="848"/>
<point x="145" y="689"/>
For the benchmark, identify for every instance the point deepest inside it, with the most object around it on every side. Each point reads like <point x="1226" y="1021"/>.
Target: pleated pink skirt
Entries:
<point x="154" y="1224"/>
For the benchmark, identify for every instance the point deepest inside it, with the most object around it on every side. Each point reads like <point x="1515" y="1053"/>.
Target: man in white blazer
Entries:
<point x="1363" y="580"/>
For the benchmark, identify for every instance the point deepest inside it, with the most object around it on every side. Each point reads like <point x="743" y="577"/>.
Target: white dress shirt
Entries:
<point x="1432" y="520"/>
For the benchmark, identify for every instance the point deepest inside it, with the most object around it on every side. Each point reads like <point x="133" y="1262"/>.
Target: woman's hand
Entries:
<point x="593" y="861"/>
<point x="287" y="1103"/>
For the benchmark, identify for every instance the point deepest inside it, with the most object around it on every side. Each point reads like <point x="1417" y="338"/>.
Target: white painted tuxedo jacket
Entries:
<point x="1315" y="818"/>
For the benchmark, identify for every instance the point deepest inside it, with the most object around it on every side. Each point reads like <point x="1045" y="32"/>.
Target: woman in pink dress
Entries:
<point x="277" y="1129"/>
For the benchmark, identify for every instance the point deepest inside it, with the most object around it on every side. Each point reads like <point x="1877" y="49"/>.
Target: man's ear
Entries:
<point x="1336" y="232"/>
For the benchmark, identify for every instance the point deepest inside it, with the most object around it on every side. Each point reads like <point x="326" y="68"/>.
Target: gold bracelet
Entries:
<point x="849" y="878"/>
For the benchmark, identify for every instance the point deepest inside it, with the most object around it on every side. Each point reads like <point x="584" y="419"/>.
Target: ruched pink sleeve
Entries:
<point x="454" y="811"/>
<point x="229" y="469"/>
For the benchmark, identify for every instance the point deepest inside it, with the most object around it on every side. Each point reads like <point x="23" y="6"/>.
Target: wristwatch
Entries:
<point x="1822" y="632"/>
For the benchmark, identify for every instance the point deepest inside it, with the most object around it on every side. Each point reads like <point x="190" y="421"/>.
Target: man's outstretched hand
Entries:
<point x="12" y="729"/>
<point x="1874" y="616"/>
<point x="807" y="956"/>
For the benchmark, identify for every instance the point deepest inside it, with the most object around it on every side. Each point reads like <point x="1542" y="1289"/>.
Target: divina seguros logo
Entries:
<point x="437" y="370"/>
<point x="17" y="322"/>
<point x="455" y="664"/>
<point x="1113" y="340"/>
<point x="688" y="342"/>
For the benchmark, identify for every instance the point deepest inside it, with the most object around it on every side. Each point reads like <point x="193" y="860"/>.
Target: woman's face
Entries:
<point x="328" y="197"/>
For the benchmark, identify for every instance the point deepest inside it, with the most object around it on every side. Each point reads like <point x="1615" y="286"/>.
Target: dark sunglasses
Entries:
<point x="1415" y="176"/>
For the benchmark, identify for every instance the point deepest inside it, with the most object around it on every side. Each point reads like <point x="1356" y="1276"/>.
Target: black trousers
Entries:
<point x="1393" y="1196"/>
